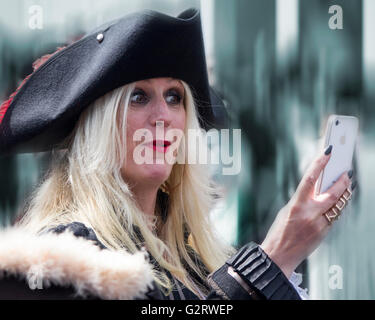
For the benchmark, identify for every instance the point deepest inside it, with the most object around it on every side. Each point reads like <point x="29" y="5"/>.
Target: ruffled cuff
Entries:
<point x="296" y="280"/>
<point x="250" y="272"/>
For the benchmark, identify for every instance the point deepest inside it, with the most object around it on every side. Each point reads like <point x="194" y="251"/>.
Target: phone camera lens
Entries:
<point x="337" y="122"/>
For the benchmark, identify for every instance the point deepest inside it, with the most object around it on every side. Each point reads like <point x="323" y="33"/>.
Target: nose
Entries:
<point x="160" y="113"/>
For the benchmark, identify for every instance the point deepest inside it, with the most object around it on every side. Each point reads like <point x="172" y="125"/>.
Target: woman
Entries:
<point x="141" y="73"/>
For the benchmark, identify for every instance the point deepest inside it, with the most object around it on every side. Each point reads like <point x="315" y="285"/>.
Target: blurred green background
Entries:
<point x="282" y="71"/>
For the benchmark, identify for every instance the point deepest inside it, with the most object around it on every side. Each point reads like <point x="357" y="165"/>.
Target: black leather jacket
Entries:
<point x="249" y="274"/>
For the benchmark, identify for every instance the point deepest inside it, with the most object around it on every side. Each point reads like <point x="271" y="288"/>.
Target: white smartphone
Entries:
<point x="341" y="133"/>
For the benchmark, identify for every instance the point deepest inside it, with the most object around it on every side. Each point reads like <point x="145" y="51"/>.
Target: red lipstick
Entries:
<point x="160" y="145"/>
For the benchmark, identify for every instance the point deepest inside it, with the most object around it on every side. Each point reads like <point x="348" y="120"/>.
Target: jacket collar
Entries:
<point x="67" y="260"/>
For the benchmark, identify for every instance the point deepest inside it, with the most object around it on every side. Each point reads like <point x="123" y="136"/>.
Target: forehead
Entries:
<point x="159" y="81"/>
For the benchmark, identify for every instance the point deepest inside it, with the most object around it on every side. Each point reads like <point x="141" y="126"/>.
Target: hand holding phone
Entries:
<point x="341" y="133"/>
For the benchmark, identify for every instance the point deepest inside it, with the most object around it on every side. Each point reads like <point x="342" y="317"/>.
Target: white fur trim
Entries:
<point x="64" y="259"/>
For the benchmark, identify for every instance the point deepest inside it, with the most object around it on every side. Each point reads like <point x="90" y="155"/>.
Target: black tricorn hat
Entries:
<point x="142" y="45"/>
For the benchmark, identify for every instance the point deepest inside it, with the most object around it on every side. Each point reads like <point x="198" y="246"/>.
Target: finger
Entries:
<point x="353" y="185"/>
<point x="307" y="184"/>
<point x="330" y="198"/>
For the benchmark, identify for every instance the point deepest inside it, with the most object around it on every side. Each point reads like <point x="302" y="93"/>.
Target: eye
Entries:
<point x="138" y="96"/>
<point x="173" y="96"/>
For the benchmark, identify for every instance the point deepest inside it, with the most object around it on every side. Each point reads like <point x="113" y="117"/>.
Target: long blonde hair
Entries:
<point x="84" y="184"/>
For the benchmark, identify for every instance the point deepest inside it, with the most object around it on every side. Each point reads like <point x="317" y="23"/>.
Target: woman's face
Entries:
<point x="156" y="107"/>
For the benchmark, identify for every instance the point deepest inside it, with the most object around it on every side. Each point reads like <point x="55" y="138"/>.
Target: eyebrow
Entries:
<point x="178" y="84"/>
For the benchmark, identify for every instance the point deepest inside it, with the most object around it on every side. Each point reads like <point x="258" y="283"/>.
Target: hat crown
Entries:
<point x="140" y="45"/>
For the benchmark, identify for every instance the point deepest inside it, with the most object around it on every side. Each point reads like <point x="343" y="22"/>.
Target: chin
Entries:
<point x="157" y="173"/>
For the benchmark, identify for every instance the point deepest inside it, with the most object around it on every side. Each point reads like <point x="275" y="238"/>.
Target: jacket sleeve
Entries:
<point x="250" y="275"/>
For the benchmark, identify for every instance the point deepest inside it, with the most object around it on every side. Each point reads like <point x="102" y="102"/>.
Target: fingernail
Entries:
<point x="354" y="184"/>
<point x="328" y="150"/>
<point x="350" y="174"/>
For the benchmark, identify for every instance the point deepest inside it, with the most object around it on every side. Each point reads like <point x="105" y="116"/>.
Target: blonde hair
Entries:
<point x="85" y="184"/>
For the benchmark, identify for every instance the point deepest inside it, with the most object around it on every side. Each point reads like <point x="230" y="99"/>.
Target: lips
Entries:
<point x="160" y="145"/>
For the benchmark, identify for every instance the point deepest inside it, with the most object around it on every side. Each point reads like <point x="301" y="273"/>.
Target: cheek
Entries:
<point x="134" y="122"/>
<point x="129" y="140"/>
<point x="180" y="120"/>
<point x="130" y="168"/>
